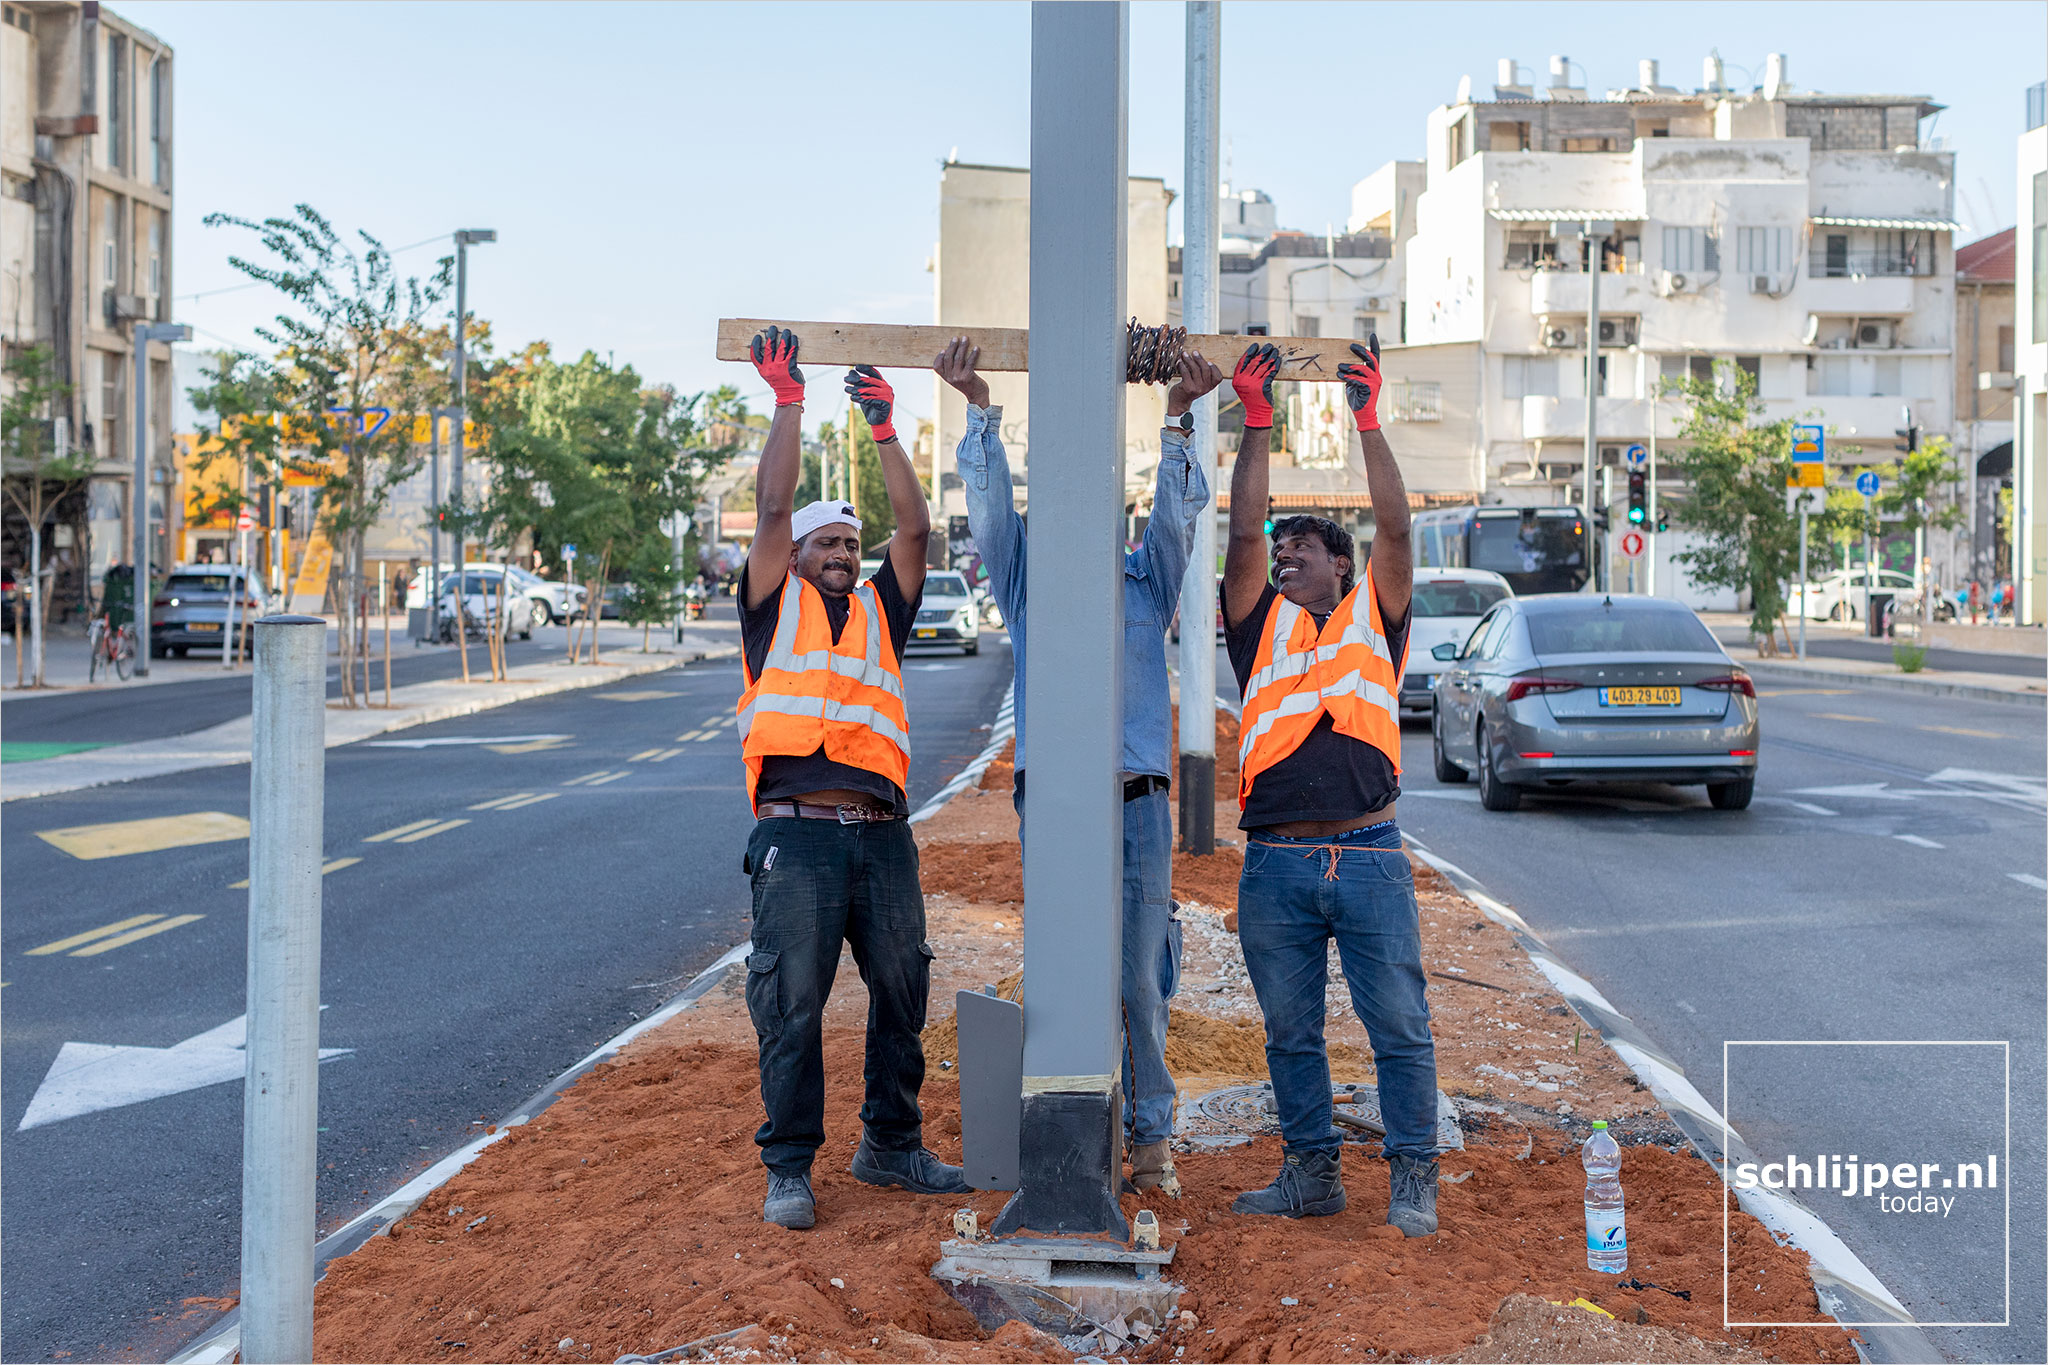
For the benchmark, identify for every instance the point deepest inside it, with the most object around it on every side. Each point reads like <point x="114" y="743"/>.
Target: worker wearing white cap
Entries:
<point x="827" y="749"/>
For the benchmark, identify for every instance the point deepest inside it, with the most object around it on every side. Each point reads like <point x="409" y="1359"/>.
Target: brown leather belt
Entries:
<point x="845" y="815"/>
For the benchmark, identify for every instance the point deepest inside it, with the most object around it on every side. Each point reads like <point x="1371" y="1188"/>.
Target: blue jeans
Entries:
<point x="1152" y="950"/>
<point x="1294" y="897"/>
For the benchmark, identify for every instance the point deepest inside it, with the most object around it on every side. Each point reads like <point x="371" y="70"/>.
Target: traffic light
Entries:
<point x="1663" y="521"/>
<point x="1269" y="517"/>
<point x="1638" y="497"/>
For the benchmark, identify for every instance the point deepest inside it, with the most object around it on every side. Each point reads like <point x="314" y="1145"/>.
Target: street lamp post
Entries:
<point x="1200" y="212"/>
<point x="145" y="332"/>
<point x="464" y="239"/>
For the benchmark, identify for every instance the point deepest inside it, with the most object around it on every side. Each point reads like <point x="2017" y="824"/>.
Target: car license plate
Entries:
<point x="202" y="625"/>
<point x="1639" y="696"/>
<point x="927" y="635"/>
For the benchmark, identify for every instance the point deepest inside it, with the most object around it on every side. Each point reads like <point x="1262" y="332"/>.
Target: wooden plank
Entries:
<point x="1003" y="349"/>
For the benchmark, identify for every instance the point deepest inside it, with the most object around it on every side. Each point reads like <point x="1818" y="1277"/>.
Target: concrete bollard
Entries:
<point x="280" y="1104"/>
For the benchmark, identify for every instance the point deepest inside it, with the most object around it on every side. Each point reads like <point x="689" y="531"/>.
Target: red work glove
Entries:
<point x="877" y="400"/>
<point x="1362" y="384"/>
<point x="1253" y="380"/>
<point x="774" y="353"/>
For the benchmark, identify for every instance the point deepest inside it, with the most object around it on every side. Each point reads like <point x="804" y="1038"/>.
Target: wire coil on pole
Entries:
<point x="1152" y="355"/>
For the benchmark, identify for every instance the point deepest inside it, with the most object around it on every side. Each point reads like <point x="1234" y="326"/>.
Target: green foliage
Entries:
<point x="654" y="584"/>
<point x="243" y="399"/>
<point x="27" y="438"/>
<point x="1735" y="467"/>
<point x="1910" y="657"/>
<point x="870" y="494"/>
<point x="1916" y="488"/>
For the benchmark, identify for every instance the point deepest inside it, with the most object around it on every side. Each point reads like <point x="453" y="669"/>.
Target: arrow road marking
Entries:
<point x="462" y="739"/>
<point x="1873" y="791"/>
<point x="88" y="1077"/>
<point x="2033" y="789"/>
<point x="2029" y="879"/>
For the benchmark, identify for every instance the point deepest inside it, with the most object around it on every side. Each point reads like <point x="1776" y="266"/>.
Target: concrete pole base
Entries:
<point x="1060" y="1285"/>
<point x="1197" y="804"/>
<point x="1071" y="1159"/>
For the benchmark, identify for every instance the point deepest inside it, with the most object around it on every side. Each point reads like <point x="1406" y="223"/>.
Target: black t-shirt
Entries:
<point x="783" y="776"/>
<point x="1329" y="776"/>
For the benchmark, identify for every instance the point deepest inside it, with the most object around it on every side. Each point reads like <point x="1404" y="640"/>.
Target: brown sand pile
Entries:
<point x="1001" y="773"/>
<point x="990" y="873"/>
<point x="1210" y="879"/>
<point x="627" y="1219"/>
<point x="1527" y="1328"/>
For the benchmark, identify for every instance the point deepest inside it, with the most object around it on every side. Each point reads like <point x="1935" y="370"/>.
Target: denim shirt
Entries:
<point x="1152" y="576"/>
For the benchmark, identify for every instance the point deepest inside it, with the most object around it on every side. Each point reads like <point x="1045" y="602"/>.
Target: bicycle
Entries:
<point x="110" y="647"/>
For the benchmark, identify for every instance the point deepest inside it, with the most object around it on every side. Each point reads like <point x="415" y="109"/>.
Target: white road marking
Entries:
<point x="608" y="777"/>
<point x="1917" y="841"/>
<point x="457" y="739"/>
<point x="1806" y="806"/>
<point x="2029" y="879"/>
<point x="935" y="668"/>
<point x="1873" y="791"/>
<point x="534" y="800"/>
<point x="2030" y="788"/>
<point x="88" y="1077"/>
<point x="1443" y="794"/>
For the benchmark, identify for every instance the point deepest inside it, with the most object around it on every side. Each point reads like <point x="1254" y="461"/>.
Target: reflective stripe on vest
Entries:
<point x="812" y="693"/>
<point x="1345" y="670"/>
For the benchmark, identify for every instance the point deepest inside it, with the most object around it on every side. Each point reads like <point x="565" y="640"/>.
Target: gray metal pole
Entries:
<point x="456" y="440"/>
<point x="1650" y="550"/>
<point x="434" y="526"/>
<point x="1804" y="608"/>
<point x="139" y="502"/>
<point x="1598" y="540"/>
<point x="1073" y="861"/>
<point x="1200" y="212"/>
<point x="280" y="1103"/>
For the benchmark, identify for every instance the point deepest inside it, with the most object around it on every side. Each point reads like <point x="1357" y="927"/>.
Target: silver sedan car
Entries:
<point x="1572" y="687"/>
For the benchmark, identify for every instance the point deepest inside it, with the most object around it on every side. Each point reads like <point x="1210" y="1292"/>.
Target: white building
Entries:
<point x="1807" y="238"/>
<point x="2030" y="388"/>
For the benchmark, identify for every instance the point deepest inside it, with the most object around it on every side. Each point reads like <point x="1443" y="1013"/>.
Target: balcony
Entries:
<point x="1620" y="419"/>
<point x="1566" y="292"/>
<point x="1856" y="295"/>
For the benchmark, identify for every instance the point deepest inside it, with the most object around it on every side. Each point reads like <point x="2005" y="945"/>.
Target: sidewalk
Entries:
<point x="415" y="704"/>
<point x="626" y="1216"/>
<point x="1732" y="630"/>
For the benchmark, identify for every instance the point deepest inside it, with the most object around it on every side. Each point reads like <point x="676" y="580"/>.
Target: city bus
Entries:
<point x="1537" y="549"/>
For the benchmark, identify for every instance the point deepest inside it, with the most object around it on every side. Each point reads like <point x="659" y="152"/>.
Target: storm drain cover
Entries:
<point x="1239" y="1113"/>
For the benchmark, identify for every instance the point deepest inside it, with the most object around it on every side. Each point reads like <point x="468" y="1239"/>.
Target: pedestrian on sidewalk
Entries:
<point x="1152" y="576"/>
<point x="826" y="742"/>
<point x="1318" y="653"/>
<point x="1974" y="599"/>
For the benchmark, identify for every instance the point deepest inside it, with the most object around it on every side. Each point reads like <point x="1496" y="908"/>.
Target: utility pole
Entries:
<point x="1071" y="1139"/>
<point x="138" y="496"/>
<point x="1200" y="212"/>
<point x="464" y="239"/>
<point x="1592" y="242"/>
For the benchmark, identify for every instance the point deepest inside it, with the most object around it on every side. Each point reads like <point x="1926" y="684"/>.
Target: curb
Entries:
<point x="227" y="744"/>
<point x="1931" y="687"/>
<point x="1847" y="1289"/>
<point x="224" y="1340"/>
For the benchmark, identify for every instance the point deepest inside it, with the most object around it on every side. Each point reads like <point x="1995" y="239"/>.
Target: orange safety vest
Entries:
<point x="1344" y="670"/>
<point x="843" y="696"/>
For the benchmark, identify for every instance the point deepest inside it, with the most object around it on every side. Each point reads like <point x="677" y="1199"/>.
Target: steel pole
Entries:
<point x="280" y="1103"/>
<point x="1071" y="1140"/>
<point x="139" y="502"/>
<point x="456" y="439"/>
<point x="434" y="526"/>
<point x="1804" y="607"/>
<point x="1650" y="550"/>
<point x="1598" y="540"/>
<point x="1200" y="214"/>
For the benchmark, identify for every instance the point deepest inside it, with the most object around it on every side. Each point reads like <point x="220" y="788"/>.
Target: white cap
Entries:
<point x="809" y="519"/>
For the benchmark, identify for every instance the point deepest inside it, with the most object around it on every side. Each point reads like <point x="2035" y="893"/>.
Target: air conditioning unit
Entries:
<point x="1670" y="282"/>
<point x="1563" y="336"/>
<point x="1878" y="336"/>
<point x="1618" y="331"/>
<point x="1762" y="284"/>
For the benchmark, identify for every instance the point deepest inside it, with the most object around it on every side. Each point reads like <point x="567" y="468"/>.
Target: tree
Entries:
<point x="36" y="475"/>
<point x="1735" y="467"/>
<point x="357" y="360"/>
<point x="654" y="583"/>
<point x="870" y="495"/>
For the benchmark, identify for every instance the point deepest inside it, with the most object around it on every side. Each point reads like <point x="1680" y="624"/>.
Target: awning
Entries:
<point x="1891" y="224"/>
<point x="1568" y="215"/>
<point x="1338" y="500"/>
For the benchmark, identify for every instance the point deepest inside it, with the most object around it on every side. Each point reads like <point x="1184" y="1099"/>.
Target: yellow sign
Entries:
<point x="1808" y="476"/>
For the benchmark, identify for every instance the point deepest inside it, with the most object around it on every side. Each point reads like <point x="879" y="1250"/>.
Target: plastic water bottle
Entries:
<point x="1606" y="1227"/>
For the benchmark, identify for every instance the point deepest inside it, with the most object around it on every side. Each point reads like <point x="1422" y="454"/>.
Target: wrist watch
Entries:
<point x="1186" y="422"/>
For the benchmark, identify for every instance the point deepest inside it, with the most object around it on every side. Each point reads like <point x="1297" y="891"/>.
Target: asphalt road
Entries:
<point x="1824" y="642"/>
<point x="464" y="965"/>
<point x="1887" y="884"/>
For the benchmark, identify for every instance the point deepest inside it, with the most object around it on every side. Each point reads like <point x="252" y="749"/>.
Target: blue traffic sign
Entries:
<point x="1809" y="444"/>
<point x="1866" y="483"/>
<point x="1637" y="457"/>
<point x="568" y="552"/>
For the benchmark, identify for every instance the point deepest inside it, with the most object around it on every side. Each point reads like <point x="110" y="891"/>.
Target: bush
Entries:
<point x="1910" y="658"/>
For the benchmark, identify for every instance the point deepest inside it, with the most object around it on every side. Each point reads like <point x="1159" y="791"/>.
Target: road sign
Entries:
<point x="1866" y="483"/>
<point x="1809" y="444"/>
<point x="1808" y="476"/>
<point x="1632" y="544"/>
<point x="568" y="552"/>
<point x="246" y="521"/>
<point x="1637" y="457"/>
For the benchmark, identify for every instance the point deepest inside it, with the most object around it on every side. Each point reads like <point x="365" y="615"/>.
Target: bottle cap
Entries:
<point x="1599" y="1123"/>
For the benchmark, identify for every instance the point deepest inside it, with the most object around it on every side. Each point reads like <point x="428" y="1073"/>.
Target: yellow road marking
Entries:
<point x="394" y="833"/>
<point x="643" y="756"/>
<point x="1830" y="715"/>
<point x="108" y="945"/>
<point x="497" y="801"/>
<point x="1804" y="692"/>
<point x="530" y="747"/>
<point x="530" y="801"/>
<point x="635" y="696"/>
<point x="89" y="935"/>
<point x="122" y="837"/>
<point x="1959" y="730"/>
<point x="587" y="777"/>
<point x="337" y="865"/>
<point x="608" y="777"/>
<point x="429" y="832"/>
<point x="685" y="739"/>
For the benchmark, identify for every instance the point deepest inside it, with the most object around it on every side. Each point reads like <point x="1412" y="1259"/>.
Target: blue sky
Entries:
<point x="653" y="167"/>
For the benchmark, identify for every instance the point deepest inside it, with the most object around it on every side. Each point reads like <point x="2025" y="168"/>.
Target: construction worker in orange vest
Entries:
<point x="827" y="749"/>
<point x="1318" y="652"/>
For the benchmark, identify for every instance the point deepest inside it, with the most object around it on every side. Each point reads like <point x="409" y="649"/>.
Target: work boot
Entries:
<point x="1152" y="1169"/>
<point x="1310" y="1185"/>
<point x="1411" y="1199"/>
<point x="789" y="1203"/>
<point x="916" y="1170"/>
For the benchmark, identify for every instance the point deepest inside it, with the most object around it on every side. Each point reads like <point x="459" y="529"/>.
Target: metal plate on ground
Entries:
<point x="991" y="1032"/>
<point x="1239" y="1113"/>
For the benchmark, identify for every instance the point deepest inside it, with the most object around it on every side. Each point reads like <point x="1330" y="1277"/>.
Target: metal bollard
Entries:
<point x="280" y="1105"/>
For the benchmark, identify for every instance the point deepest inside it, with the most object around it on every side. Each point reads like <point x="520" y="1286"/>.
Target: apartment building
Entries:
<point x="1805" y="237"/>
<point x="1985" y="350"/>
<point x="2030" y="382"/>
<point x="85" y="251"/>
